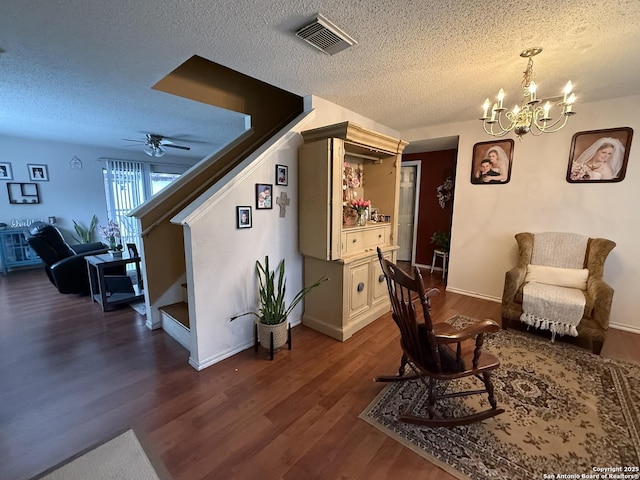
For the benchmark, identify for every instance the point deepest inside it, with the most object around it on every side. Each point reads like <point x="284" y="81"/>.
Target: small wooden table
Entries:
<point x="96" y="265"/>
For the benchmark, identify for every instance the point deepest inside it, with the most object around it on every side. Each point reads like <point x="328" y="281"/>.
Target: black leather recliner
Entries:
<point x="65" y="266"/>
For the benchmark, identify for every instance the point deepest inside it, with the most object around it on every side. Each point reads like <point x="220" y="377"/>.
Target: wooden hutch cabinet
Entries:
<point x="337" y="164"/>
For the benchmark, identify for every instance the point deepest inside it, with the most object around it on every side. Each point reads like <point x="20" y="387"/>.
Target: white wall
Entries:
<point x="538" y="198"/>
<point x="69" y="194"/>
<point x="221" y="277"/>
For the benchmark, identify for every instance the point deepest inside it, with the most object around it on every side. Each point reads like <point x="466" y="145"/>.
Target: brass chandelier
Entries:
<point x="529" y="116"/>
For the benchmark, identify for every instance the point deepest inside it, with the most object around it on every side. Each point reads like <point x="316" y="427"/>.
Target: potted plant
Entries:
<point x="442" y="240"/>
<point x="85" y="235"/>
<point x="273" y="312"/>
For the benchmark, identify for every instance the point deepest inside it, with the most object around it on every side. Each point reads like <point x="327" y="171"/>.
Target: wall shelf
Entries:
<point x="23" y="193"/>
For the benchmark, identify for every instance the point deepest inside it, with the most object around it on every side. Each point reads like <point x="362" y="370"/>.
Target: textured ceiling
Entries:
<point x="81" y="71"/>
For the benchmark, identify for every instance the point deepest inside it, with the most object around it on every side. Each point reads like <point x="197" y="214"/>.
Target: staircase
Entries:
<point x="270" y="110"/>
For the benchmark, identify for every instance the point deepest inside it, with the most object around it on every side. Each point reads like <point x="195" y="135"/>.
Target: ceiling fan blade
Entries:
<point x="131" y="140"/>
<point x="180" y="147"/>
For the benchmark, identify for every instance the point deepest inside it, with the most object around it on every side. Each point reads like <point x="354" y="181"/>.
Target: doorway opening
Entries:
<point x="408" y="210"/>
<point x="423" y="211"/>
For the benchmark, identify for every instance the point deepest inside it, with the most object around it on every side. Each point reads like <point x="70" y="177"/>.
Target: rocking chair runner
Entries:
<point x="426" y="349"/>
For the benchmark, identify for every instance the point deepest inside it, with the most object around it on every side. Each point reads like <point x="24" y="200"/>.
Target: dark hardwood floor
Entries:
<point x="72" y="376"/>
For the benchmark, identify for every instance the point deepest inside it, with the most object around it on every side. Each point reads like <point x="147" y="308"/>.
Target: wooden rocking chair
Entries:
<point x="426" y="349"/>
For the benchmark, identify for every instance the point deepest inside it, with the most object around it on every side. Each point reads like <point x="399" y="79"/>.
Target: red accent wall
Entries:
<point x="435" y="167"/>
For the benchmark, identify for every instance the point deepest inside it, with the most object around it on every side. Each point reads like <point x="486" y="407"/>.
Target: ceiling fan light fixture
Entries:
<point x="154" y="151"/>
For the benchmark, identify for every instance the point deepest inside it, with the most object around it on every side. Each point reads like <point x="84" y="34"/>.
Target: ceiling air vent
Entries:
<point x="325" y="36"/>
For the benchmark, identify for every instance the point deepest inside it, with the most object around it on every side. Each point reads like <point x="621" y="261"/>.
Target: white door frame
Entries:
<point x="416" y="205"/>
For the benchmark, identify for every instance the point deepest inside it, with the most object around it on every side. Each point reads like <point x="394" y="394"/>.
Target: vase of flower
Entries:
<point x="361" y="207"/>
<point x="111" y="233"/>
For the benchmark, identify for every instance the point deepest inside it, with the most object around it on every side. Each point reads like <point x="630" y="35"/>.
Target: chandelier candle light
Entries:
<point x="529" y="116"/>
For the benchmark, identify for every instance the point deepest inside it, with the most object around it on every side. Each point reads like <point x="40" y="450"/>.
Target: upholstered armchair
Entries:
<point x="566" y="267"/>
<point x="64" y="265"/>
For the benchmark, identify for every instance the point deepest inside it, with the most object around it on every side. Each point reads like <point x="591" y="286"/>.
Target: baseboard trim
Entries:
<point x="473" y="294"/>
<point x="207" y="362"/>
<point x="324" y="328"/>
<point x="626" y="328"/>
<point x="219" y="357"/>
<point x="346" y="332"/>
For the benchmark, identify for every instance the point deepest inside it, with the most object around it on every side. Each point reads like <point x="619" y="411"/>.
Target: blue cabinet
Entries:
<point x="15" y="250"/>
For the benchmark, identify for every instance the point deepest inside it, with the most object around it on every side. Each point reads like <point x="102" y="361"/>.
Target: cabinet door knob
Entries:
<point x="354" y="240"/>
<point x="381" y="278"/>
<point x="360" y="286"/>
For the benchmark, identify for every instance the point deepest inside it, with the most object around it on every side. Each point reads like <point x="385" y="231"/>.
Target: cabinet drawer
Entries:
<point x="363" y="240"/>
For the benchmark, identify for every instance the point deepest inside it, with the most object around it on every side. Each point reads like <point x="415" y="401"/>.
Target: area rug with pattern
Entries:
<point x="569" y="414"/>
<point x="121" y="458"/>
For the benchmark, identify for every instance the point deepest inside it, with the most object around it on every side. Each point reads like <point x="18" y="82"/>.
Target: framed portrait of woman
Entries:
<point x="38" y="173"/>
<point x="491" y="162"/>
<point x="599" y="155"/>
<point x="5" y="171"/>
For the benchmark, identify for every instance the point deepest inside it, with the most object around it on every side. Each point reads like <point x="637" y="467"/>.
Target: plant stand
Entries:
<point x="271" y="343"/>
<point x="444" y="255"/>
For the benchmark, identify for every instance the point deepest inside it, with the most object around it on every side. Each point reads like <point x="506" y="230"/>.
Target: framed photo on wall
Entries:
<point x="243" y="217"/>
<point x="264" y="196"/>
<point x="282" y="175"/>
<point x="5" y="171"/>
<point x="491" y="162"/>
<point x="38" y="173"/>
<point x="599" y="155"/>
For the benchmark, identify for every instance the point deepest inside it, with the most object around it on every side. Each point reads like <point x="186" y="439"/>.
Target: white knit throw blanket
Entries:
<point x="549" y="307"/>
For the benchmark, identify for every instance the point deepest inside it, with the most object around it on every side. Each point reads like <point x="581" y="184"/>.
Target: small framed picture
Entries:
<point x="598" y="156"/>
<point x="132" y="249"/>
<point x="491" y="162"/>
<point x="282" y="175"/>
<point x="5" y="171"/>
<point x="263" y="196"/>
<point x="38" y="173"/>
<point x="243" y="219"/>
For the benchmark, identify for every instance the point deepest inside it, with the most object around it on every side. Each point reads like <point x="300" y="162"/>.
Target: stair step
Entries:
<point x="177" y="311"/>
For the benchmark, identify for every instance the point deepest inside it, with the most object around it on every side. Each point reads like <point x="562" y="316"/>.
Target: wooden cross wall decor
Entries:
<point x="283" y="201"/>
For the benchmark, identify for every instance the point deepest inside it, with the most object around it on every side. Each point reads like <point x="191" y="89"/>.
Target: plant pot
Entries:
<point x="280" y="334"/>
<point x="116" y="253"/>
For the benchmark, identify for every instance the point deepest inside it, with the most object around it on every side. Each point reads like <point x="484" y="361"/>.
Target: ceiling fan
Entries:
<point x="155" y="145"/>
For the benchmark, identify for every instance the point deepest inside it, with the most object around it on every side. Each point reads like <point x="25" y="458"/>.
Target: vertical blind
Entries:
<point x="125" y="189"/>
